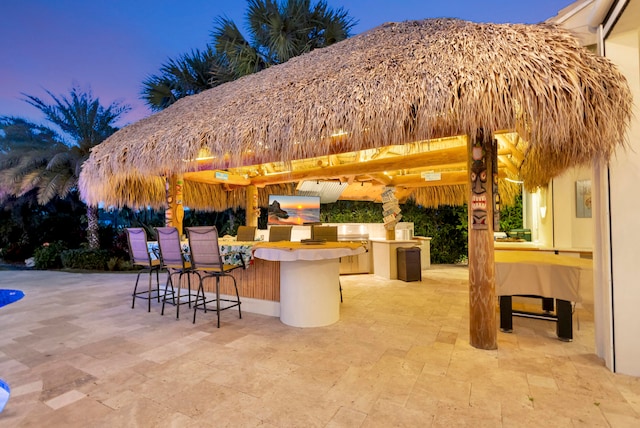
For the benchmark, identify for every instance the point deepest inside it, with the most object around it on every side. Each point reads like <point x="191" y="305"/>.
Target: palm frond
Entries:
<point x="80" y="115"/>
<point x="33" y="157"/>
<point x="50" y="187"/>
<point x="67" y="186"/>
<point x="236" y="51"/>
<point x="186" y="75"/>
<point x="29" y="181"/>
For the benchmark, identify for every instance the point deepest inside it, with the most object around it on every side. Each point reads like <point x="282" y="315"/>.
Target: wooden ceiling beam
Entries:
<point x="503" y="160"/>
<point x="513" y="150"/>
<point x="403" y="193"/>
<point x="217" y="177"/>
<point x="447" y="178"/>
<point x="415" y="180"/>
<point x="435" y="160"/>
<point x="420" y="160"/>
<point x="381" y="179"/>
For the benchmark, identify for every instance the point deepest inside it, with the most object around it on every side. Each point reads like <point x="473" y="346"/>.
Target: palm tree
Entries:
<point x="25" y="151"/>
<point x="52" y="167"/>
<point x="190" y="74"/>
<point x="278" y="32"/>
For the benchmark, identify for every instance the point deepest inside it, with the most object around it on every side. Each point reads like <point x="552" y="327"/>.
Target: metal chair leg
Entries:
<point x="157" y="283"/>
<point x="235" y="284"/>
<point x="218" y="299"/>
<point x="173" y="293"/>
<point x="204" y="299"/>
<point x="135" y="291"/>
<point x="150" y="290"/>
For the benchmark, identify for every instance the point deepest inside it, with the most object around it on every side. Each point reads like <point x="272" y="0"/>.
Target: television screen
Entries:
<point x="294" y="210"/>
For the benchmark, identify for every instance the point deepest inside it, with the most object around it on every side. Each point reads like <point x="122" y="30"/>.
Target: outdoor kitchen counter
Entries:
<point x="384" y="256"/>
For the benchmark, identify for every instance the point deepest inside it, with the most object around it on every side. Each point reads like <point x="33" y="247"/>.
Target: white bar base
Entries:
<point x="310" y="292"/>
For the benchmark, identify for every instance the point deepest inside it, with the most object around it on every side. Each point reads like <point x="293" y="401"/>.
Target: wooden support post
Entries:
<point x="174" y="213"/>
<point x="168" y="212"/>
<point x="253" y="210"/>
<point x="482" y="294"/>
<point x="390" y="234"/>
<point x="179" y="213"/>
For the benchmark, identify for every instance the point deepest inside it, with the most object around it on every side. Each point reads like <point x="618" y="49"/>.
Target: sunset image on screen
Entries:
<point x="297" y="210"/>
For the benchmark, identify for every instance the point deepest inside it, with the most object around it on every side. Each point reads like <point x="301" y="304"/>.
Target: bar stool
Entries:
<point x="207" y="263"/>
<point x="141" y="256"/>
<point x="246" y="233"/>
<point x="280" y="233"/>
<point x="175" y="262"/>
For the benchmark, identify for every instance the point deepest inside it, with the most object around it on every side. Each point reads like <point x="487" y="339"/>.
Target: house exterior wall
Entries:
<point x="569" y="230"/>
<point x="615" y="207"/>
<point x="624" y="171"/>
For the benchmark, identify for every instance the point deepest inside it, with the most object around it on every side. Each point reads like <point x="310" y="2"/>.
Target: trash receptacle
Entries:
<point x="409" y="264"/>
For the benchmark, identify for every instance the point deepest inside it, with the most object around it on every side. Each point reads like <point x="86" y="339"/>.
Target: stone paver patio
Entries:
<point x="76" y="355"/>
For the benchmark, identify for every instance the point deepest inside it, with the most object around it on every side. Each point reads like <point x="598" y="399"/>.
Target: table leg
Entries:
<point x="506" y="314"/>
<point x="564" y="326"/>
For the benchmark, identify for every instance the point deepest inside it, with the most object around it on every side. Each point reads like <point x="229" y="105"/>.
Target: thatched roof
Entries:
<point x="396" y="84"/>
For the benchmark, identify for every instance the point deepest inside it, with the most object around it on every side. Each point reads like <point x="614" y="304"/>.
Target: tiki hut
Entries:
<point x="401" y="105"/>
<point x="551" y="103"/>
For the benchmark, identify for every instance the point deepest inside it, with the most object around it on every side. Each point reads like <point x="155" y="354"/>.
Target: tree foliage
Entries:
<point x="81" y="116"/>
<point x="26" y="150"/>
<point x="511" y="215"/>
<point x="34" y="157"/>
<point x="442" y="224"/>
<point x="277" y="32"/>
<point x="186" y="75"/>
<point x="448" y="243"/>
<point x="351" y="212"/>
<point x="25" y="224"/>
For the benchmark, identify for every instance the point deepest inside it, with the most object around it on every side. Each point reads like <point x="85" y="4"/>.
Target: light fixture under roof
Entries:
<point x="329" y="191"/>
<point x="514" y="181"/>
<point x="339" y="133"/>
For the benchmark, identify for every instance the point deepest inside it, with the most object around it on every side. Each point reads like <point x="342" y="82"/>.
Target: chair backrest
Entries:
<point x="280" y="233"/>
<point x="328" y="233"/>
<point x="138" y="250"/>
<point x="204" y="249"/>
<point x="170" y="247"/>
<point x="246" y="233"/>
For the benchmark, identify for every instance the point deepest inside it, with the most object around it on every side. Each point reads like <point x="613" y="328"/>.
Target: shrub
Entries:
<point x="85" y="258"/>
<point x="115" y="241"/>
<point x="118" y="264"/>
<point x="351" y="212"/>
<point x="48" y="256"/>
<point x="15" y="252"/>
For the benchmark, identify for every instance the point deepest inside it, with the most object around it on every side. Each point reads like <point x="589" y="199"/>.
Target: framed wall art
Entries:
<point x="583" y="199"/>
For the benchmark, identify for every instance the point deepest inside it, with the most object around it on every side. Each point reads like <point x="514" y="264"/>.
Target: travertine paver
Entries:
<point x="75" y="354"/>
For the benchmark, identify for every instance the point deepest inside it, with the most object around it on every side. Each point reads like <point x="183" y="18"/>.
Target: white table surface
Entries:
<point x="541" y="274"/>
<point x="297" y="251"/>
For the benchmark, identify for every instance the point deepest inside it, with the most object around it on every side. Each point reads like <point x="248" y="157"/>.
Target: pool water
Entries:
<point x="4" y="394"/>
<point x="10" y="296"/>
<point x="6" y="297"/>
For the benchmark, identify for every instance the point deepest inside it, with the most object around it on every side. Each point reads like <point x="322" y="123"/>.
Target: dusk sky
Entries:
<point x="112" y="46"/>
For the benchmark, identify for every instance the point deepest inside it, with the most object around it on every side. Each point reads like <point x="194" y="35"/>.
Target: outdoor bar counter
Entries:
<point x="258" y="283"/>
<point x="296" y="281"/>
<point x="309" y="279"/>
